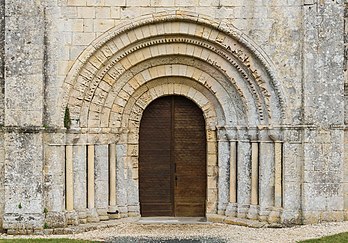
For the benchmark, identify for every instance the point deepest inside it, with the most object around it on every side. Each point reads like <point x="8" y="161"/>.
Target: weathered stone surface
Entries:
<point x="54" y="183"/>
<point x="101" y="180"/>
<point x="264" y="72"/>
<point x="24" y="63"/>
<point x="23" y="181"/>
<point x="2" y="177"/>
<point x="2" y="61"/>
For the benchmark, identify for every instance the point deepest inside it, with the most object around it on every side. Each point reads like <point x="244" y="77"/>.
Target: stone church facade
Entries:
<point x="77" y="77"/>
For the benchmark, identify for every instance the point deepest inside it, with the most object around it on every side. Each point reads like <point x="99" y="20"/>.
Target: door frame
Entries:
<point x="128" y="148"/>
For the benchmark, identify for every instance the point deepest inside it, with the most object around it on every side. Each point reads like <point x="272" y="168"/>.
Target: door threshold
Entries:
<point x="173" y="220"/>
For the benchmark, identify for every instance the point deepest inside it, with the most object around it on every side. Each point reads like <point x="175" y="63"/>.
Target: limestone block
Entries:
<point x="292" y="196"/>
<point x="292" y="162"/>
<point x="102" y="25"/>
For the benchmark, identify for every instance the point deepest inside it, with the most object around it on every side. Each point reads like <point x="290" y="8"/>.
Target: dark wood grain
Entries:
<point x="172" y="159"/>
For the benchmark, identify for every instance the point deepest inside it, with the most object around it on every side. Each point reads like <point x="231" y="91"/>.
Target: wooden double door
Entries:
<point x="172" y="159"/>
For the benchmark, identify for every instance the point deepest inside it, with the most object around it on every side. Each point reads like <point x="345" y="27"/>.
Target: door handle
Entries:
<point x="176" y="180"/>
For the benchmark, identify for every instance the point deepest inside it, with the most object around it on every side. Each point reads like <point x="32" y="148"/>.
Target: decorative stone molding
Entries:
<point x="102" y="65"/>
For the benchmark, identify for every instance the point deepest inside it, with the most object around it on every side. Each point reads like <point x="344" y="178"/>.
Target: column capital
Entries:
<point x="221" y="133"/>
<point x="232" y="133"/>
<point x="270" y="134"/>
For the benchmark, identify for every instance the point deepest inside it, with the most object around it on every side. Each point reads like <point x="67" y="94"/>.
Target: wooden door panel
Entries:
<point x="172" y="145"/>
<point x="155" y="171"/>
<point x="190" y="159"/>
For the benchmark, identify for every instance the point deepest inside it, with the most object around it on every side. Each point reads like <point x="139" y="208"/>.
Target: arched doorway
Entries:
<point x="172" y="159"/>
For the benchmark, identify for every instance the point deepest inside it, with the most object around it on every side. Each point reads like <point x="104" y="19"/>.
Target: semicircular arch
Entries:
<point x="218" y="45"/>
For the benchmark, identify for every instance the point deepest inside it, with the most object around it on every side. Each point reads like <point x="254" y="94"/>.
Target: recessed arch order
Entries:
<point x="212" y="55"/>
<point x="182" y="54"/>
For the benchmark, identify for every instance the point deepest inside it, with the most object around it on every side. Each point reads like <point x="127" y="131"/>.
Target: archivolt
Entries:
<point x="215" y="55"/>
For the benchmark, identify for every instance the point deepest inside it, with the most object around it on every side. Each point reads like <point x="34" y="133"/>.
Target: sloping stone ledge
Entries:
<point x="215" y="218"/>
<point x="74" y="229"/>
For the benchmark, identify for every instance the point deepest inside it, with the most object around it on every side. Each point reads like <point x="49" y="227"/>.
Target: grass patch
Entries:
<point x="43" y="240"/>
<point x="339" y="238"/>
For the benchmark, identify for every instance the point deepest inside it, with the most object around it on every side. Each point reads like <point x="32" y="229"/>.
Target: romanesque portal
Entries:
<point x="132" y="110"/>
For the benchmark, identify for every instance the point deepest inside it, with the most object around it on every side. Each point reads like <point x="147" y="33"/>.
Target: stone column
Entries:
<point x="121" y="179"/>
<point x="80" y="182"/>
<point x="92" y="215"/>
<point x="278" y="174"/>
<point x="254" y="208"/>
<point x="244" y="177"/>
<point x="223" y="162"/>
<point x="233" y="172"/>
<point x="72" y="217"/>
<point x="113" y="209"/>
<point x="69" y="177"/>
<point x="102" y="180"/>
<point x="231" y="209"/>
<point x="90" y="176"/>
<point x="266" y="175"/>
<point x="275" y="214"/>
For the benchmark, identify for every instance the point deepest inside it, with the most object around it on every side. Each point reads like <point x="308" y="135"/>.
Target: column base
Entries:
<point x="222" y="208"/>
<point x="242" y="211"/>
<point x="113" y="212"/>
<point x="263" y="214"/>
<point x="72" y="218"/>
<point x="123" y="211"/>
<point x="103" y="214"/>
<point x="274" y="216"/>
<point x="231" y="210"/>
<point x="253" y="212"/>
<point x="82" y="217"/>
<point x="92" y="216"/>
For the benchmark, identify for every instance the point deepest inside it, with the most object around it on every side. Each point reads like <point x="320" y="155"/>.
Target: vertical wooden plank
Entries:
<point x="155" y="175"/>
<point x="190" y="158"/>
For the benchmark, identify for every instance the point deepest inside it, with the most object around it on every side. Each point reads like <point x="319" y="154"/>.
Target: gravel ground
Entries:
<point x="130" y="232"/>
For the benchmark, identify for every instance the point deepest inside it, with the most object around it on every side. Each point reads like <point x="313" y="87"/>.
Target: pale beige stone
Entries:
<point x="69" y="179"/>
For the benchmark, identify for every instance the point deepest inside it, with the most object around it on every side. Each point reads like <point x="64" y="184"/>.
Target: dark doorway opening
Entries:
<point x="172" y="159"/>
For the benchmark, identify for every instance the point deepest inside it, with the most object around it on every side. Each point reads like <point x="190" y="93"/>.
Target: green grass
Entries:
<point x="339" y="238"/>
<point x="43" y="240"/>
